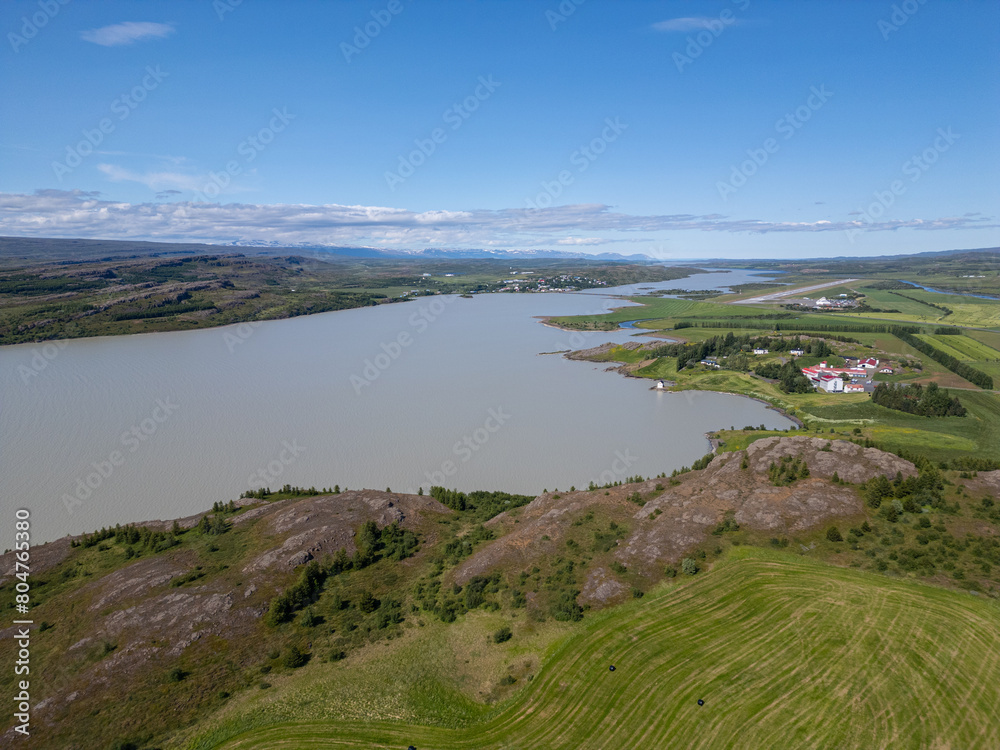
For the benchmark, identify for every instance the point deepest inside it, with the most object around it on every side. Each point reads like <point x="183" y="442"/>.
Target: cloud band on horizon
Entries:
<point x="76" y="213"/>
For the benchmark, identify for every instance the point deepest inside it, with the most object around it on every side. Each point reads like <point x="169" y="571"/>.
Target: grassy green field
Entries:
<point x="990" y="338"/>
<point x="939" y="438"/>
<point x="889" y="300"/>
<point x="664" y="308"/>
<point x="784" y="651"/>
<point x="962" y="347"/>
<point x="918" y="305"/>
<point x="967" y="349"/>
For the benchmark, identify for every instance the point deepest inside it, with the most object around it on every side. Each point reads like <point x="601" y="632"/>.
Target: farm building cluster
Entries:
<point x="855" y="378"/>
<point x="843" y="301"/>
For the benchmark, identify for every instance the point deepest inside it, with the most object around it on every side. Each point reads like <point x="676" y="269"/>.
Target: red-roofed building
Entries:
<point x="815" y="372"/>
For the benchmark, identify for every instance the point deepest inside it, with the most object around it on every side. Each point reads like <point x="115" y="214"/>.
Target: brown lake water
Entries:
<point x="444" y="391"/>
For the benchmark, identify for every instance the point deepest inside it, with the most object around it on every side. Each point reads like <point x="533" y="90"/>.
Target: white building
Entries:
<point x="659" y="384"/>
<point x="831" y="383"/>
<point x="797" y="352"/>
<point x="760" y="351"/>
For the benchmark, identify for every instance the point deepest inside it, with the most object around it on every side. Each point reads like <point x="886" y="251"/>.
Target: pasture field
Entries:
<point x="785" y="652"/>
<point x="695" y="334"/>
<point x="918" y="306"/>
<point x="899" y="377"/>
<point x="990" y="338"/>
<point x="964" y="348"/>
<point x="967" y="311"/>
<point x="664" y="307"/>
<point x="886" y="299"/>
<point x="942" y="343"/>
<point x="938" y="438"/>
<point x="664" y="367"/>
<point x="990" y="368"/>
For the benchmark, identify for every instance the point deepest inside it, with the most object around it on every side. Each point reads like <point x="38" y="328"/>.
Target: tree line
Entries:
<point x="908" y="495"/>
<point x="789" y="376"/>
<point x="793" y="326"/>
<point x="931" y="401"/>
<point x="481" y="504"/>
<point x="732" y="345"/>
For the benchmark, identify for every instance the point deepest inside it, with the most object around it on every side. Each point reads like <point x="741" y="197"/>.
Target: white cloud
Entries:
<point x="60" y="213"/>
<point x="128" y="32"/>
<point x="153" y="180"/>
<point x="582" y="241"/>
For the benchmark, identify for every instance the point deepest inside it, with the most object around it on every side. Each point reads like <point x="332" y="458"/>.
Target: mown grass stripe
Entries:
<point x="786" y="652"/>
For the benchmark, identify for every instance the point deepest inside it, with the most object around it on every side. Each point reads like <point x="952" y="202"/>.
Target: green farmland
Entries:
<point x="657" y="308"/>
<point x="785" y="652"/>
<point x="938" y="438"/>
<point x="964" y="348"/>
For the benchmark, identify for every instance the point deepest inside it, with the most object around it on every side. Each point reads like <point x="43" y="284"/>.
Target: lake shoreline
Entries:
<point x="491" y="413"/>
<point x="627" y="370"/>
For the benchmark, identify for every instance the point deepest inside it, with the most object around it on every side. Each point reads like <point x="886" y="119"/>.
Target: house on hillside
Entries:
<point x="660" y="384"/>
<point x="797" y="352"/>
<point x="854" y="388"/>
<point x="870" y="364"/>
<point x="886" y="371"/>
<point x="761" y="351"/>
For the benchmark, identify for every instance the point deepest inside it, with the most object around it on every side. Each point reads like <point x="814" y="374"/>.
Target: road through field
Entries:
<point x="789" y="292"/>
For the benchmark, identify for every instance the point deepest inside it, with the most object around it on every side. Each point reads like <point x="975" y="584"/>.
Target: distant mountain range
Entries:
<point x="80" y="250"/>
<point x="377" y="252"/>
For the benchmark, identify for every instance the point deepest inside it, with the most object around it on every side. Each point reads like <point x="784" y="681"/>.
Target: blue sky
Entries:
<point x="742" y="128"/>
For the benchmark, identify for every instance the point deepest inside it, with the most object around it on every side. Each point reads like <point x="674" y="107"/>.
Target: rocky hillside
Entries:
<point x="682" y="513"/>
<point x="161" y="635"/>
<point x="110" y="631"/>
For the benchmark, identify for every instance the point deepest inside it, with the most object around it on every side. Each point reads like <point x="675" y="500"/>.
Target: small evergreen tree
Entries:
<point x="294" y="657"/>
